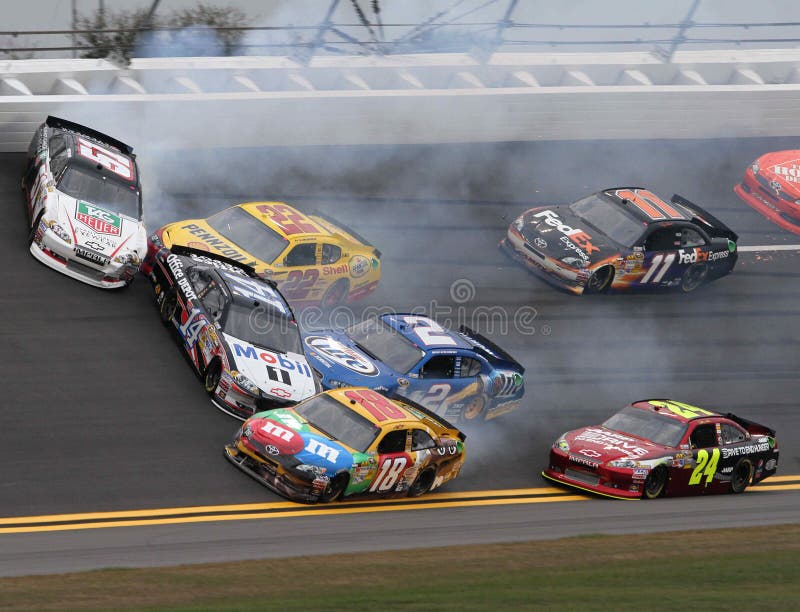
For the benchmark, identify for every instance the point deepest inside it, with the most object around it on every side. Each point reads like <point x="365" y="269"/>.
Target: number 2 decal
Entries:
<point x="436" y="395"/>
<point x="657" y="260"/>
<point x="705" y="467"/>
<point x="298" y="283"/>
<point x="428" y="331"/>
<point x="389" y="473"/>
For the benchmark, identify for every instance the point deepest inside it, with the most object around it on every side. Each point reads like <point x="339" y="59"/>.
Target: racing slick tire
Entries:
<point x="335" y="488"/>
<point x="600" y="280"/>
<point x="34" y="227"/>
<point x="694" y="276"/>
<point x="211" y="375"/>
<point x="473" y="409"/>
<point x="740" y="477"/>
<point x="169" y="307"/>
<point x="422" y="483"/>
<point x="335" y="294"/>
<point x="656" y="483"/>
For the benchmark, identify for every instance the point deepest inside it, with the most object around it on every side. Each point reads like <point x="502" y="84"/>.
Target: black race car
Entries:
<point x="237" y="329"/>
<point x="622" y="238"/>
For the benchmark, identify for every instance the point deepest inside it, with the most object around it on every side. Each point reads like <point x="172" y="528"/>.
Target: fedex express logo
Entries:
<point x="99" y="219"/>
<point x="578" y="236"/>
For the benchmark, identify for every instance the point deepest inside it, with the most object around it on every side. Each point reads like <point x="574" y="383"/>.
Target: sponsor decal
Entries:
<point x="788" y="171"/>
<point x="320" y="449"/>
<point x="640" y="473"/>
<point x="690" y="256"/>
<point x="256" y="291"/>
<point x="335" y="270"/>
<point x="745" y="450"/>
<point x="584" y="461"/>
<point x="280" y="392"/>
<point x="770" y="465"/>
<point x="95" y="245"/>
<point x="359" y="266"/>
<point x="540" y="242"/>
<point x="272" y="359"/>
<point x="98" y="258"/>
<point x="282" y="438"/>
<point x="776" y="186"/>
<point x="612" y="441"/>
<point x="99" y="219"/>
<point x="200" y="246"/>
<point x="342" y="355"/>
<point x="176" y="267"/>
<point x="589" y="452"/>
<point x="582" y="240"/>
<point x="212" y="241"/>
<point x="726" y="470"/>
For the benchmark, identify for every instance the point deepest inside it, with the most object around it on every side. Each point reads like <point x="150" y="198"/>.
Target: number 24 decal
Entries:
<point x="705" y="466"/>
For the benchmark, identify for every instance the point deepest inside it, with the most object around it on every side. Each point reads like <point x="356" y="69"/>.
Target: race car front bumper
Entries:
<point x="597" y="479"/>
<point x="273" y="476"/>
<point x="54" y="253"/>
<point x="781" y="212"/>
<point x="545" y="268"/>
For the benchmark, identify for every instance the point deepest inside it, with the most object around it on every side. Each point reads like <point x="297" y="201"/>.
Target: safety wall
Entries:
<point x="412" y="99"/>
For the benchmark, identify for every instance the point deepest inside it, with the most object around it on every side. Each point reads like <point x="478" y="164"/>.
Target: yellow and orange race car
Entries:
<point x="313" y="260"/>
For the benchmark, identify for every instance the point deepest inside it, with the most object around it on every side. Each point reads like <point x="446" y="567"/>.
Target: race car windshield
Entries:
<point x="248" y="233"/>
<point x="99" y="190"/>
<point x="642" y="424"/>
<point x="385" y="344"/>
<point x="262" y="328"/>
<point x="609" y="219"/>
<point x="339" y="422"/>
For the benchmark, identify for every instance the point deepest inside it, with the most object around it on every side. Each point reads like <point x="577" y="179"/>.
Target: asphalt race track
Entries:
<point x="102" y="414"/>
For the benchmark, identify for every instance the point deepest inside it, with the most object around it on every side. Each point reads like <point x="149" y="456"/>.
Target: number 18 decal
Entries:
<point x="655" y="275"/>
<point x="705" y="467"/>
<point x="390" y="471"/>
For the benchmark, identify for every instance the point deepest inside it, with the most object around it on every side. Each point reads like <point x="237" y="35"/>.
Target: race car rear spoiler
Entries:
<point x="349" y="230"/>
<point x="490" y="350"/>
<point x="713" y="226"/>
<point x="751" y="426"/>
<point x="57" y="122"/>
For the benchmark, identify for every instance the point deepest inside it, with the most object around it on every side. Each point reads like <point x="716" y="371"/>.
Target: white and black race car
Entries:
<point x="236" y="328"/>
<point x="84" y="204"/>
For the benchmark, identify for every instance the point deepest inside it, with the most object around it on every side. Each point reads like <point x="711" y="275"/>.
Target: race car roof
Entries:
<point x="418" y="329"/>
<point x="646" y="205"/>
<point x="677" y="410"/>
<point x="373" y="406"/>
<point x="284" y="219"/>
<point x="252" y="292"/>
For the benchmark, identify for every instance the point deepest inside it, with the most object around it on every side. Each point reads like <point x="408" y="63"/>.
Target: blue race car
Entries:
<point x="461" y="376"/>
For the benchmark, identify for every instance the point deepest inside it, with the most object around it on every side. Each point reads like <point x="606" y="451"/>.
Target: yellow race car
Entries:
<point x="313" y="260"/>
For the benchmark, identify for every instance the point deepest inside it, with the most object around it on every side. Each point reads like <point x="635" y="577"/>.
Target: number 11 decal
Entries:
<point x="654" y="276"/>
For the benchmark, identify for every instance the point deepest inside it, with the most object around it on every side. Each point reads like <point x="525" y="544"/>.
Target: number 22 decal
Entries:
<point x="390" y="471"/>
<point x="653" y="274"/>
<point x="705" y="467"/>
<point x="298" y="283"/>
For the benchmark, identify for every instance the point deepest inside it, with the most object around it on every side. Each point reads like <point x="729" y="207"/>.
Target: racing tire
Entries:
<point x="335" y="488"/>
<point x="741" y="475"/>
<point x="169" y="307"/>
<point x="656" y="483"/>
<point x="474" y="409"/>
<point x="694" y="276"/>
<point x="335" y="294"/>
<point x="211" y="376"/>
<point x="422" y="483"/>
<point x="600" y="280"/>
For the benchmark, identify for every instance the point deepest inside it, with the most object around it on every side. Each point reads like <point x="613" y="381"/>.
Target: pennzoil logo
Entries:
<point x="99" y="219"/>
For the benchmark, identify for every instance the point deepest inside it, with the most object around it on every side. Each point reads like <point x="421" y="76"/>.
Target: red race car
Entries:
<point x="771" y="185"/>
<point x="663" y="447"/>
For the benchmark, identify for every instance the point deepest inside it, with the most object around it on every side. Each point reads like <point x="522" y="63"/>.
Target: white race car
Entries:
<point x="84" y="204"/>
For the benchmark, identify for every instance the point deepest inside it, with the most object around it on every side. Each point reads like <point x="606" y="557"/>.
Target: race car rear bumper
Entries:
<point x="781" y="212"/>
<point x="539" y="268"/>
<point x="272" y="477"/>
<point x="61" y="258"/>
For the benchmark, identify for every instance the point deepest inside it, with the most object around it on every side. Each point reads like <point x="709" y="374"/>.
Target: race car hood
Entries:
<point x="198" y="234"/>
<point x="783" y="167"/>
<point x="283" y="375"/>
<point x="336" y="356"/>
<point x="556" y="232"/>
<point x="100" y="229"/>
<point x="599" y="444"/>
<point x="289" y="439"/>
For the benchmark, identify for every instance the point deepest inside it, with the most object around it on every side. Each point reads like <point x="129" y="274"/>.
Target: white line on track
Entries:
<point x="771" y="247"/>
